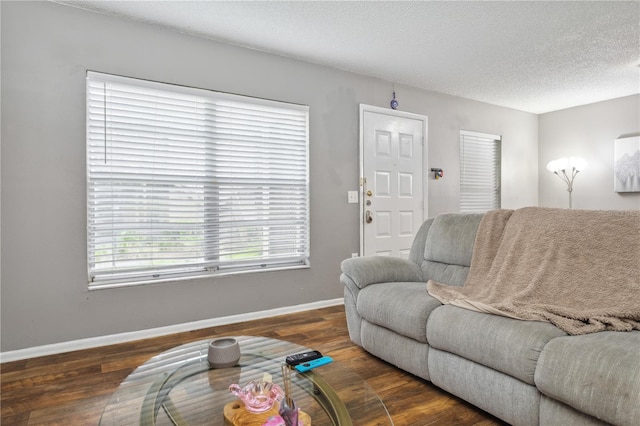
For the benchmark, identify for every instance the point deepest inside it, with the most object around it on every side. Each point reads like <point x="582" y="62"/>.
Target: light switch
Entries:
<point x="352" y="197"/>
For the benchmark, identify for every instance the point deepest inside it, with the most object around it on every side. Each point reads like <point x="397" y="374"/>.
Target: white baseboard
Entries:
<point x="94" y="342"/>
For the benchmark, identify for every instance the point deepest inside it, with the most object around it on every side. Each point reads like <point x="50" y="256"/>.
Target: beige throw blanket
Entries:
<point x="577" y="269"/>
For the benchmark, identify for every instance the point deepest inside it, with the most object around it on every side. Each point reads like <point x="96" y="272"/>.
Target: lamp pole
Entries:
<point x="568" y="180"/>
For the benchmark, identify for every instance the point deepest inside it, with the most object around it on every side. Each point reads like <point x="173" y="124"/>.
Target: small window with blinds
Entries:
<point x="479" y="172"/>
<point x="185" y="182"/>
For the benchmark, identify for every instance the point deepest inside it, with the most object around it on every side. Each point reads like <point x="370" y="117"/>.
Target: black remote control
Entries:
<point x="296" y="359"/>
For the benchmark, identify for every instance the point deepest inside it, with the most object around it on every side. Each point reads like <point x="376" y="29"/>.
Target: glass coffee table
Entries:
<point x="177" y="387"/>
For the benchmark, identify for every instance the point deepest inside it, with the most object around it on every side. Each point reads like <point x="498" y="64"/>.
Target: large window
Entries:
<point x="480" y="165"/>
<point x="186" y="182"/>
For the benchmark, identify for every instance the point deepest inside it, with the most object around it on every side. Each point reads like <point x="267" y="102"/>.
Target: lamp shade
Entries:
<point x="578" y="163"/>
<point x="558" y="165"/>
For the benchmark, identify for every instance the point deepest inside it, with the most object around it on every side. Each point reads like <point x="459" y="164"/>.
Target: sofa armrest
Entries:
<point x="379" y="269"/>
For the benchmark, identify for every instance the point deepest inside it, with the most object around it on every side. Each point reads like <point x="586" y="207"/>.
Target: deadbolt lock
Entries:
<point x="368" y="217"/>
<point x="369" y="193"/>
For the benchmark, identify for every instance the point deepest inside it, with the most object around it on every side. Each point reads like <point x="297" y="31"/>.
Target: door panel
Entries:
<point x="393" y="192"/>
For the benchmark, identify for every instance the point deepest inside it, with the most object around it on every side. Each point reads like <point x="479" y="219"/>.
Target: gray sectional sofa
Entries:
<point x="523" y="372"/>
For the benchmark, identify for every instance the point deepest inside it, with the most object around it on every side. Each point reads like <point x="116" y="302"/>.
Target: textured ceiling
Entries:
<point x="531" y="56"/>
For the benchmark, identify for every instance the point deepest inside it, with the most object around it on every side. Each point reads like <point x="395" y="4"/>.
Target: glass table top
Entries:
<point x="178" y="387"/>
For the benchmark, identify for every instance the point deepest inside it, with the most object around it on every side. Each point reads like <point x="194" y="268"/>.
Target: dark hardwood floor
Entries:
<point x="73" y="388"/>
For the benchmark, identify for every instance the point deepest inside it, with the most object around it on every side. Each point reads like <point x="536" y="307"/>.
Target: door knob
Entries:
<point x="368" y="217"/>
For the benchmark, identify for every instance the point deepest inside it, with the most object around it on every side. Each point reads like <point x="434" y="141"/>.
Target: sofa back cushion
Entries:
<point x="448" y="247"/>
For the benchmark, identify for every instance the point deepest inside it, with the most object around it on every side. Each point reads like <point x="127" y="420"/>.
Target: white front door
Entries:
<point x="393" y="184"/>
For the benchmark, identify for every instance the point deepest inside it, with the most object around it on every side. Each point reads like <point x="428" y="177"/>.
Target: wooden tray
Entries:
<point x="236" y="414"/>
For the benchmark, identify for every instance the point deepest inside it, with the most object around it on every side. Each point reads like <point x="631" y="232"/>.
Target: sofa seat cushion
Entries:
<point x="402" y="307"/>
<point x="598" y="374"/>
<point x="504" y="344"/>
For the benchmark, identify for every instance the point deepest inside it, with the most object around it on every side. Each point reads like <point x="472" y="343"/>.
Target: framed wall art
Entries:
<point x="626" y="165"/>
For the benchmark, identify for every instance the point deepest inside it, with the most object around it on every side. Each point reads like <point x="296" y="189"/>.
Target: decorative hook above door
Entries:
<point x="394" y="103"/>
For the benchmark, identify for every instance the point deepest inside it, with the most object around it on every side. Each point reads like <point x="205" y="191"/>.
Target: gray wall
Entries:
<point x="587" y="131"/>
<point x="46" y="50"/>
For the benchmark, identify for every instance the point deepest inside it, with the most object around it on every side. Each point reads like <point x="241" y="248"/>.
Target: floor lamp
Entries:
<point x="567" y="169"/>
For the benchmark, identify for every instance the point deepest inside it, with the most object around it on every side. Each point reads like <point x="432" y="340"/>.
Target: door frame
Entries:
<point x="425" y="145"/>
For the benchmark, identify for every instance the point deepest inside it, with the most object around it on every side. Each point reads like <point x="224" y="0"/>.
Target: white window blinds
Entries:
<point x="187" y="182"/>
<point x="479" y="172"/>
